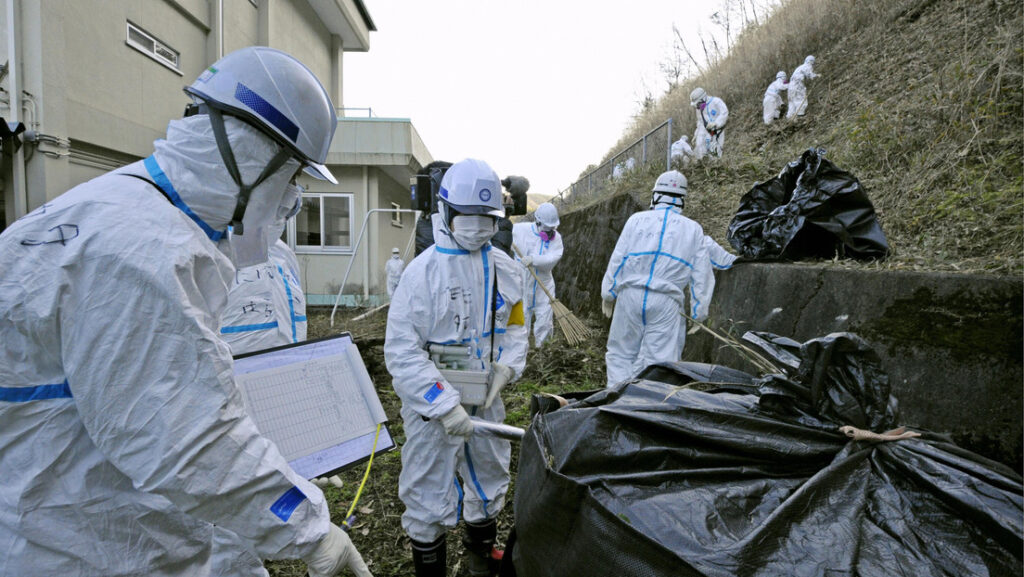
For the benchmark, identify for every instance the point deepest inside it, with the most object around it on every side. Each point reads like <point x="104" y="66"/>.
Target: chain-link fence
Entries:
<point x="651" y="148"/>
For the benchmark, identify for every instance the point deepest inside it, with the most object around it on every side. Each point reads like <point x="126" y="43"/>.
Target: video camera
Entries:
<point x="427" y="182"/>
<point x="515" y="197"/>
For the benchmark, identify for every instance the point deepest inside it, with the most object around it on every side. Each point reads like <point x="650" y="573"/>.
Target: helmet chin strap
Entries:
<point x="244" y="190"/>
<point x="670" y="200"/>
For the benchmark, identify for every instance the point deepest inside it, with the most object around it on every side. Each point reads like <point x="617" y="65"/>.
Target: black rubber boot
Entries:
<point x="484" y="559"/>
<point x="430" y="559"/>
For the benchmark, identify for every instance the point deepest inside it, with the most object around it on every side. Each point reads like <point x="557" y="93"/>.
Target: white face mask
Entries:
<point x="253" y="247"/>
<point x="472" y="231"/>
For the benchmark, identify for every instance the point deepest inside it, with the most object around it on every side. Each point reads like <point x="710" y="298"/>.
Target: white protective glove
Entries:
<point x="335" y="553"/>
<point x="500" y="376"/>
<point x="526" y="260"/>
<point x="333" y="480"/>
<point x="607" y="307"/>
<point x="456" y="422"/>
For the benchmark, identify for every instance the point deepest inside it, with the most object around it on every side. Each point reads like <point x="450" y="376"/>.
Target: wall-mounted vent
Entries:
<point x="149" y="45"/>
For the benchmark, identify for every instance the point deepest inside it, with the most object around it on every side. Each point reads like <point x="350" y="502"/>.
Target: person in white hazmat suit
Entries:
<point x="266" y="306"/>
<point x="660" y="259"/>
<point x="772" y="103"/>
<point x="681" y="152"/>
<point x="393" y="269"/>
<point x="712" y="116"/>
<point x="459" y="291"/>
<point x="541" y="247"/>
<point x="124" y="444"/>
<point x="798" y="88"/>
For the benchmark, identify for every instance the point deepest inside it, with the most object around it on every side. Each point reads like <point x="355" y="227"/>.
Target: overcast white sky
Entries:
<point x="539" y="88"/>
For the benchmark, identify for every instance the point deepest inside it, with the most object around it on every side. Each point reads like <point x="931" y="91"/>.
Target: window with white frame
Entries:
<point x="149" y="45"/>
<point x="396" y="217"/>
<point x="324" y="222"/>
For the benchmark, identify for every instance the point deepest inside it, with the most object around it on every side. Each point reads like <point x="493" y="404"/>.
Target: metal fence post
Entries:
<point x="668" y="149"/>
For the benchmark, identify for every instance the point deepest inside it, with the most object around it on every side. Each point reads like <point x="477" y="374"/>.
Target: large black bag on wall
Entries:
<point x="656" y="478"/>
<point x="812" y="209"/>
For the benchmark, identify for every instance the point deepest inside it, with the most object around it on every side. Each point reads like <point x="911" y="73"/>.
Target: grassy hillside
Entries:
<point x="922" y="100"/>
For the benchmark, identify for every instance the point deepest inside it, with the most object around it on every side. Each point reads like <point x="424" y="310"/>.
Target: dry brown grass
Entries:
<point x="922" y="100"/>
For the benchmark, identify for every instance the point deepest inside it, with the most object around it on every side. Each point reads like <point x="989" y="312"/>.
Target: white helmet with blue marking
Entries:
<point x="278" y="94"/>
<point x="471" y="186"/>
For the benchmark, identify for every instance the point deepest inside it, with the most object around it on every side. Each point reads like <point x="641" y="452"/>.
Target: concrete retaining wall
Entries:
<point x="952" y="344"/>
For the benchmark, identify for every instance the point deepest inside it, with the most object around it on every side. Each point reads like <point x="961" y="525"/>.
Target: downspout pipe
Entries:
<point x="220" y="29"/>
<point x="19" y="190"/>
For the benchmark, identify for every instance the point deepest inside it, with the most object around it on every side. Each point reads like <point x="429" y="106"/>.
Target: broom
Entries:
<point x="573" y="328"/>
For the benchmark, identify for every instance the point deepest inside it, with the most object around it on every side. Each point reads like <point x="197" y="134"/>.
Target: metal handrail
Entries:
<point x="355" y="250"/>
<point x="562" y="196"/>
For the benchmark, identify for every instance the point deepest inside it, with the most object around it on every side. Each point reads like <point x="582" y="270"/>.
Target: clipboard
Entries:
<point x="315" y="400"/>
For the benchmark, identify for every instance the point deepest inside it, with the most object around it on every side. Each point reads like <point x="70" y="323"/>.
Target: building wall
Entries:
<point x="390" y="235"/>
<point x="107" y="100"/>
<point x="324" y="271"/>
<point x="241" y="25"/>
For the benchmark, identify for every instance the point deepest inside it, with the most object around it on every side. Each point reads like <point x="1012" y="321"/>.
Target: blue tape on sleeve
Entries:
<point x="36" y="393"/>
<point x="286" y="505"/>
<point x="433" y="392"/>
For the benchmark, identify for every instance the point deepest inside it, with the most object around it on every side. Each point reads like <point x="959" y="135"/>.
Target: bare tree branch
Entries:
<point x="682" y="45"/>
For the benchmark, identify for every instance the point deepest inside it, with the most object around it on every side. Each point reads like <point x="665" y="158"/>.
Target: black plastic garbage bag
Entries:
<point x="811" y="210"/>
<point x="753" y="477"/>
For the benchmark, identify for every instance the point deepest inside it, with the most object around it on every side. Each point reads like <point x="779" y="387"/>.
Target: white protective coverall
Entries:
<point x="797" y="88"/>
<point x="773" y="99"/>
<point x="721" y="259"/>
<point x="546" y="254"/>
<point x="393" y="268"/>
<point x="446" y="298"/>
<point x="681" y="151"/>
<point x="709" y="137"/>
<point x="659" y="257"/>
<point x="125" y="448"/>
<point x="266" y="306"/>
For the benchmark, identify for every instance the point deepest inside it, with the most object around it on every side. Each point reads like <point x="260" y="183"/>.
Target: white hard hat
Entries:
<point x="395" y="251"/>
<point x="672" y="183"/>
<point x="276" y="93"/>
<point x="809" y="60"/>
<point x="472" y="187"/>
<point x="780" y="75"/>
<point x="547" y="215"/>
<point x="698" y="95"/>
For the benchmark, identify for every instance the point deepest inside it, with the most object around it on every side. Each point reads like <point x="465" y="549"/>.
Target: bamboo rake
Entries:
<point x="574" y="330"/>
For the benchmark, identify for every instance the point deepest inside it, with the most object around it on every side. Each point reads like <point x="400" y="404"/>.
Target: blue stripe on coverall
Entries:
<point x="291" y="305"/>
<point x="647" y="285"/>
<point x="36" y="393"/>
<point x="164" y="183"/>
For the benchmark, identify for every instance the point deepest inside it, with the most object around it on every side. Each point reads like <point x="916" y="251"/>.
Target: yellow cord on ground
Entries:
<point x="365" y="477"/>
